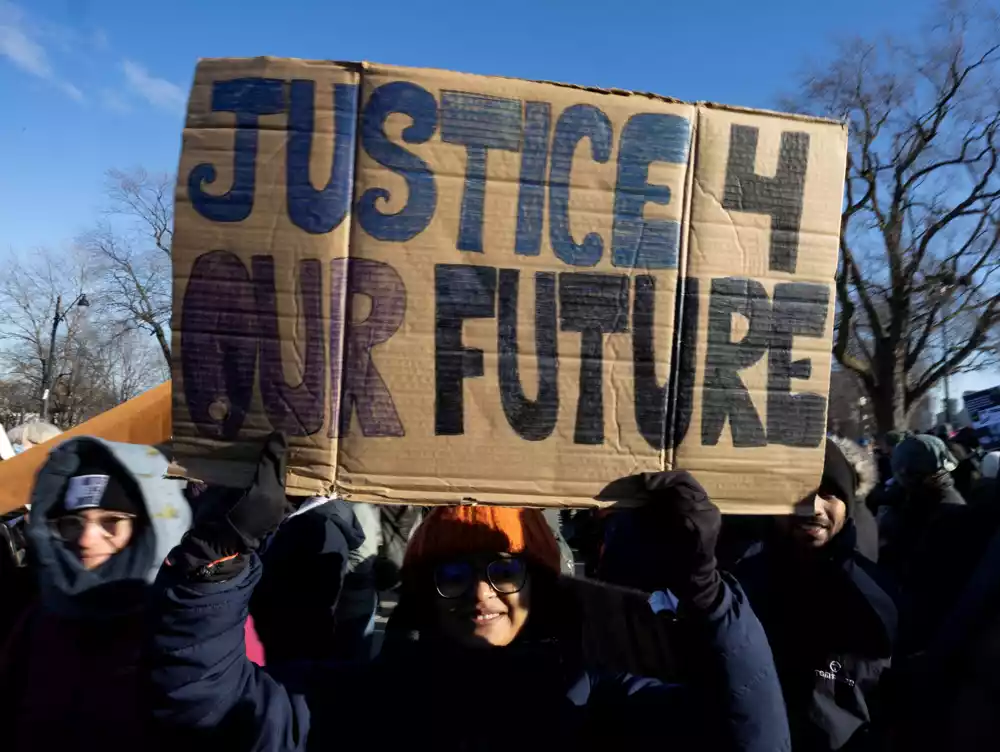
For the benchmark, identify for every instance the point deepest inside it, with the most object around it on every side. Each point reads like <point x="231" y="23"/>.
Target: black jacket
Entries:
<point x="967" y="474"/>
<point x="831" y="623"/>
<point x="946" y="690"/>
<point x="294" y="607"/>
<point x="524" y="697"/>
<point x="911" y="528"/>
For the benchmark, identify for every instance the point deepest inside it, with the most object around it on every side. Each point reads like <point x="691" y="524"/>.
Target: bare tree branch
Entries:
<point x="920" y="230"/>
<point x="132" y="249"/>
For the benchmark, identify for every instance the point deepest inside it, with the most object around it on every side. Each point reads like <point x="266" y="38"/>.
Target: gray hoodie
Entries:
<point x="67" y="589"/>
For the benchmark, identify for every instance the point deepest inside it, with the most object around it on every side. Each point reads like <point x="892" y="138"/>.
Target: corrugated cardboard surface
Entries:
<point x="142" y="420"/>
<point x="484" y="305"/>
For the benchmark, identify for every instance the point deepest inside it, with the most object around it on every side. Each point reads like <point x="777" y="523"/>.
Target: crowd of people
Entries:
<point x="869" y="620"/>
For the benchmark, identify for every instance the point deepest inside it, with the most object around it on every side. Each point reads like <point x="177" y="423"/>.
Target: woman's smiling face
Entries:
<point x="475" y="612"/>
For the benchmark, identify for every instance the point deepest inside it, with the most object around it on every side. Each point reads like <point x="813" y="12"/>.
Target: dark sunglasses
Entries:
<point x="69" y="527"/>
<point x="506" y="576"/>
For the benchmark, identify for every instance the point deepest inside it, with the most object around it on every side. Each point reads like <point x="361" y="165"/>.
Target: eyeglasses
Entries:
<point x="506" y="576"/>
<point x="69" y="527"/>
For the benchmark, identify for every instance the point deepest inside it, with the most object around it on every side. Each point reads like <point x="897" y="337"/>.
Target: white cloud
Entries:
<point x="71" y="91"/>
<point x="19" y="44"/>
<point x="114" y="101"/>
<point x="159" y="92"/>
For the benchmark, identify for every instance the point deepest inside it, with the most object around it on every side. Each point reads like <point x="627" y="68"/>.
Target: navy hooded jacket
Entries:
<point x="524" y="696"/>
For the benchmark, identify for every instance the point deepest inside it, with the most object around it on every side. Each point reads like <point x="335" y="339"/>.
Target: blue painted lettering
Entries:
<point x="248" y="98"/>
<point x="418" y="103"/>
<point x="635" y="241"/>
<point x="576" y="122"/>
<point x="320" y="211"/>
<point x="479" y="123"/>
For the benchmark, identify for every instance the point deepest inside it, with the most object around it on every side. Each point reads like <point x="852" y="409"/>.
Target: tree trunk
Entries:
<point x="888" y="394"/>
<point x="882" y="405"/>
<point x="161" y="337"/>
<point x="899" y="388"/>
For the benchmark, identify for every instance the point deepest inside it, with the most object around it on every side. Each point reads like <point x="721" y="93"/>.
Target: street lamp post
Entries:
<point x="81" y="301"/>
<point x="948" y="283"/>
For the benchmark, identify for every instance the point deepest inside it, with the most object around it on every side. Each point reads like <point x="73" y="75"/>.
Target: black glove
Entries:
<point x="231" y="522"/>
<point x="669" y="542"/>
<point x="689" y="523"/>
<point x="53" y="477"/>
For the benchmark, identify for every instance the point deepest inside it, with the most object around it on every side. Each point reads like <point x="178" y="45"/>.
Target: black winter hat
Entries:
<point x="98" y="483"/>
<point x="839" y="476"/>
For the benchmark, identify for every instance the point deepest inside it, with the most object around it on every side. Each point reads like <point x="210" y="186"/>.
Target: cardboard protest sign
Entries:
<point x="454" y="288"/>
<point x="984" y="412"/>
<point x="142" y="420"/>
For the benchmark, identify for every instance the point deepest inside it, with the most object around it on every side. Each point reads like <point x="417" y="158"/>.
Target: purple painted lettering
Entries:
<point x="296" y="410"/>
<point x="218" y="344"/>
<point x="357" y="384"/>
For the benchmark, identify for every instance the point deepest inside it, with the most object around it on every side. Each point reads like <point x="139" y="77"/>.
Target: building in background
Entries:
<point x="922" y="417"/>
<point x="850" y="411"/>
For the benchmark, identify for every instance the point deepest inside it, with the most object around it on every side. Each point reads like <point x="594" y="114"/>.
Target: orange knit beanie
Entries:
<point x="453" y="532"/>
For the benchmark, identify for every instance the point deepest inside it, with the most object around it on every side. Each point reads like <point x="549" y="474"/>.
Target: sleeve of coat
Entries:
<point x="733" y="699"/>
<point x="204" y="688"/>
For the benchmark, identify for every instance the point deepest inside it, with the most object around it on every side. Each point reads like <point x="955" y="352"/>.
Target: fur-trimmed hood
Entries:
<point x="863" y="464"/>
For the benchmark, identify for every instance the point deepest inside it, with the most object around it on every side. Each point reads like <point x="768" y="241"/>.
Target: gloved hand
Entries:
<point x="231" y="522"/>
<point x="53" y="477"/>
<point x="690" y="524"/>
<point x="668" y="543"/>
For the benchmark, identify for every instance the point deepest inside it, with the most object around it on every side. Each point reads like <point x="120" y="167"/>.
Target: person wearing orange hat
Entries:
<point x="486" y="652"/>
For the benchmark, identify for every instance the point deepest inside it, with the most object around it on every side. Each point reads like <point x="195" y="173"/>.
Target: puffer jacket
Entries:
<point x="530" y="694"/>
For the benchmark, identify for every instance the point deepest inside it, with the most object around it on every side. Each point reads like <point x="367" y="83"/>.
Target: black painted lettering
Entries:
<point x="594" y="305"/>
<point x="650" y="397"/>
<point x="680" y="402"/>
<point x="531" y="419"/>
<point x="462" y="292"/>
<point x="781" y="197"/>
<point x="724" y="393"/>
<point x="654" y="404"/>
<point x="797" y="420"/>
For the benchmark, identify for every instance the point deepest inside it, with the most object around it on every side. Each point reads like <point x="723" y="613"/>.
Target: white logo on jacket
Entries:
<point x="831" y="674"/>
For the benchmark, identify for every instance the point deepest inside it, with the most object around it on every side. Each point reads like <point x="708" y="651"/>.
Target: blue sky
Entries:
<point x="93" y="84"/>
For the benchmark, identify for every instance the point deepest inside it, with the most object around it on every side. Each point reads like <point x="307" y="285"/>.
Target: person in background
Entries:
<point x="946" y="691"/>
<point x="359" y="600"/>
<point x="102" y="520"/>
<point x="32" y="433"/>
<point x="827" y="611"/>
<point x="922" y="498"/>
<point x="989" y="489"/>
<point x="298" y="608"/>
<point x="17" y="584"/>
<point x="964" y="447"/>
<point x="887" y="444"/>
<point x="397" y="523"/>
<point x="492" y="659"/>
<point x="554" y="518"/>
